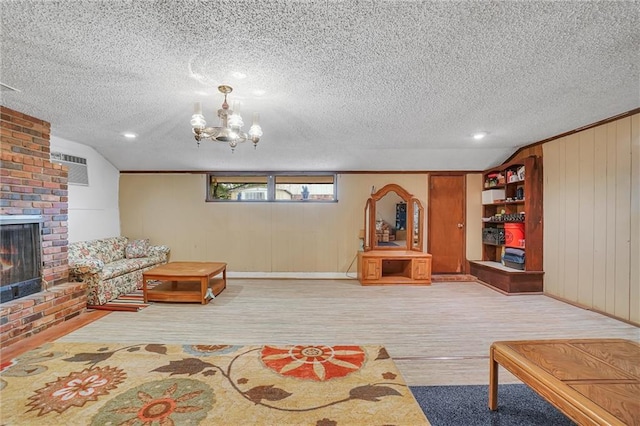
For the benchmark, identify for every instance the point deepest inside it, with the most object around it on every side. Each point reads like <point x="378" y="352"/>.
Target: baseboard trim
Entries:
<point x="293" y="275"/>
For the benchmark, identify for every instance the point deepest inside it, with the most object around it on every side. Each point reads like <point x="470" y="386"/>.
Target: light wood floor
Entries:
<point x="438" y="334"/>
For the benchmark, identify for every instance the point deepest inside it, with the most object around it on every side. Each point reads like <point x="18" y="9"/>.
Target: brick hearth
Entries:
<point x="30" y="184"/>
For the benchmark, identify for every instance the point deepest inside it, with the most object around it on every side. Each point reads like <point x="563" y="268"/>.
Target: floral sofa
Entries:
<point x="112" y="266"/>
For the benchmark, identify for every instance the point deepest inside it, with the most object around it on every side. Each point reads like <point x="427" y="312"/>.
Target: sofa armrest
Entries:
<point x="86" y="266"/>
<point x="161" y="251"/>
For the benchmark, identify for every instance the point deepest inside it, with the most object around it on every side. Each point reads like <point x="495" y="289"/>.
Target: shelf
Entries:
<point x="504" y="221"/>
<point x="522" y="216"/>
<point x="498" y="265"/>
<point x="505" y="279"/>
<point x="502" y="203"/>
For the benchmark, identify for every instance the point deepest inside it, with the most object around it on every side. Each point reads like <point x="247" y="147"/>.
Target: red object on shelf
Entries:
<point x="514" y="235"/>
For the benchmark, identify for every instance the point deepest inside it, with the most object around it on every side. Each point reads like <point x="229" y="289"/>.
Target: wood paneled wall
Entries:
<point x="253" y="237"/>
<point x="591" y="219"/>
<point x="474" y="213"/>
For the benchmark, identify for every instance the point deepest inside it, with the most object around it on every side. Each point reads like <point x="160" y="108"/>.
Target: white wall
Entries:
<point x="93" y="209"/>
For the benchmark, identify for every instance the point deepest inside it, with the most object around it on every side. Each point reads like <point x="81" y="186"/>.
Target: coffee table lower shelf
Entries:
<point x="182" y="291"/>
<point x="185" y="282"/>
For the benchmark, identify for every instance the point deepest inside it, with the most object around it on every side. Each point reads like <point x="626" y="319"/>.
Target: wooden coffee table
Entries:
<point x="592" y="381"/>
<point x="185" y="282"/>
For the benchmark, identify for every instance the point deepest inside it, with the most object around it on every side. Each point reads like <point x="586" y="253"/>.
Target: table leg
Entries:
<point x="204" y="284"/>
<point x="493" y="381"/>
<point x="144" y="289"/>
<point x="224" y="277"/>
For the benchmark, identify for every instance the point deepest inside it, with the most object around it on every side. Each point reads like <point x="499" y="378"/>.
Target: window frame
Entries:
<point x="271" y="178"/>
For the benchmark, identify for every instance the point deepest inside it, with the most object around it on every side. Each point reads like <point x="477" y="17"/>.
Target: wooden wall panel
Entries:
<point x="571" y="195"/>
<point x="634" y="296"/>
<point x="592" y="233"/>
<point x="253" y="237"/>
<point x="585" y="240"/>
<point x="610" y="254"/>
<point x="553" y="201"/>
<point x="600" y="207"/>
<point x="623" y="217"/>
<point x="474" y="212"/>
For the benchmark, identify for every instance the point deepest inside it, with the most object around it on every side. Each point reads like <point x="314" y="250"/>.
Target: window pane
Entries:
<point x="238" y="188"/>
<point x="318" y="188"/>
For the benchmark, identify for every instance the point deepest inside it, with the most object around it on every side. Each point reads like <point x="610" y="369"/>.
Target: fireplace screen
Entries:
<point x="20" y="273"/>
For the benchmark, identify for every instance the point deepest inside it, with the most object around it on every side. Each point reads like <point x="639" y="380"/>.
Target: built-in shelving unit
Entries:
<point x="512" y="227"/>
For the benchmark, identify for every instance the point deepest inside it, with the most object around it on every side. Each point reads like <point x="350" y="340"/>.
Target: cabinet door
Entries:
<point x="371" y="269"/>
<point x="421" y="269"/>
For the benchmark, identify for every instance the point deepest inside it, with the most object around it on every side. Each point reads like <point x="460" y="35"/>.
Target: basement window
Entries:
<point x="277" y="187"/>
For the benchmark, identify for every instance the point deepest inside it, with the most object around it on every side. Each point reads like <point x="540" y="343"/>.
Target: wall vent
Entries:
<point x="78" y="173"/>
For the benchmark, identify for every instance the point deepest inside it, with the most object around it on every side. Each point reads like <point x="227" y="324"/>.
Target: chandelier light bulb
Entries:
<point x="255" y="131"/>
<point x="197" y="121"/>
<point x="235" y="121"/>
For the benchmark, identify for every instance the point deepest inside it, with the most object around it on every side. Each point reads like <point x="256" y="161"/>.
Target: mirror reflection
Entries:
<point x="393" y="220"/>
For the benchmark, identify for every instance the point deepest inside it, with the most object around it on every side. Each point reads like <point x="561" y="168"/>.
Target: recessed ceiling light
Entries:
<point x="129" y="135"/>
<point x="259" y="92"/>
<point x="479" y="135"/>
<point x="239" y="75"/>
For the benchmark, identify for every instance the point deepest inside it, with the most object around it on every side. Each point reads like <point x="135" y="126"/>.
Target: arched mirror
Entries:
<point x="416" y="239"/>
<point x="367" y="227"/>
<point x="393" y="220"/>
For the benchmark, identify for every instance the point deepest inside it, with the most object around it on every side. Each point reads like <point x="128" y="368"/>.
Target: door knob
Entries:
<point x="460" y="225"/>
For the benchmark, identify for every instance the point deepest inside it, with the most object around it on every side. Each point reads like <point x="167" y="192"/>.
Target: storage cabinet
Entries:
<point x="421" y="269"/>
<point x="512" y="227"/>
<point x="394" y="267"/>
<point x="371" y="268"/>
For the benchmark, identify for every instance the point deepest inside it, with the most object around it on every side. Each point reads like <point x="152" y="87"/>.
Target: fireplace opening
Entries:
<point x="20" y="257"/>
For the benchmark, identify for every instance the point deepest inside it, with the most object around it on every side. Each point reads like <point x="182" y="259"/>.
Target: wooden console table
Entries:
<point x="388" y="267"/>
<point x="591" y="381"/>
<point x="178" y="282"/>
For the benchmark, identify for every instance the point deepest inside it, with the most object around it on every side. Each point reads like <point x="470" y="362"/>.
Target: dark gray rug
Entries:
<point x="469" y="406"/>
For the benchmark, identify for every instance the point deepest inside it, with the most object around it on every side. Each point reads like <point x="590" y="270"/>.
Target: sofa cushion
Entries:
<point x="125" y="266"/>
<point x="106" y="249"/>
<point x="136" y="249"/>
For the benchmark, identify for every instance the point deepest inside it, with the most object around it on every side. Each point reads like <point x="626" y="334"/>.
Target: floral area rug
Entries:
<point x="157" y="384"/>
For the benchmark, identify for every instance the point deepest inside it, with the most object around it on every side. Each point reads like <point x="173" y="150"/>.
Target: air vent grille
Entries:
<point x="78" y="172"/>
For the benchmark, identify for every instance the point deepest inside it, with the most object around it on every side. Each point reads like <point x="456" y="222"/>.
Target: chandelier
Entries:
<point x="230" y="129"/>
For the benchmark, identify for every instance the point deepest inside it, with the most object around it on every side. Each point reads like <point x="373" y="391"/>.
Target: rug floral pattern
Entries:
<point x="158" y="384"/>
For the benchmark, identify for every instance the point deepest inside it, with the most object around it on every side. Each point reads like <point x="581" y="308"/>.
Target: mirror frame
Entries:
<point x="367" y="226"/>
<point x="414" y="240"/>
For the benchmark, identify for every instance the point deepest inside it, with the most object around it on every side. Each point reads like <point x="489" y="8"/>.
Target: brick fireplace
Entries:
<point x="33" y="186"/>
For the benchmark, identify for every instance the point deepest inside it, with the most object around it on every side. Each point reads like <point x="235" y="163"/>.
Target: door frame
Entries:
<point x="463" y="175"/>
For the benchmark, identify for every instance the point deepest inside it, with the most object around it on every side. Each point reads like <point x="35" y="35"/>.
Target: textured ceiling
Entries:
<point x="347" y="85"/>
